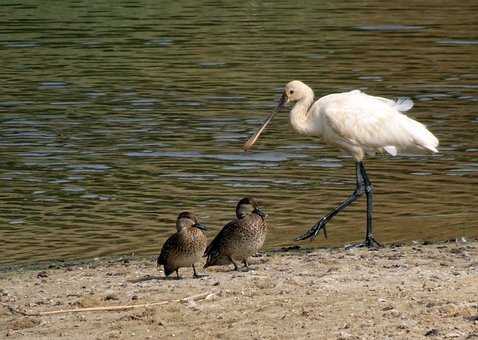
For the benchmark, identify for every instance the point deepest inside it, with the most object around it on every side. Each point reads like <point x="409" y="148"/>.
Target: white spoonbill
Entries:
<point x="358" y="124"/>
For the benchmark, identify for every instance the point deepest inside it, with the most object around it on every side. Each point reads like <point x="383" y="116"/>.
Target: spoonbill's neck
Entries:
<point x="299" y="114"/>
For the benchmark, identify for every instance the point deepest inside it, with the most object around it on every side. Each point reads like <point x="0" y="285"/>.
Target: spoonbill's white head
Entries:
<point x="294" y="91"/>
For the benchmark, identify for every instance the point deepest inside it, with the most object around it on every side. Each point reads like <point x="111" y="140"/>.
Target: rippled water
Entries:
<point x="117" y="115"/>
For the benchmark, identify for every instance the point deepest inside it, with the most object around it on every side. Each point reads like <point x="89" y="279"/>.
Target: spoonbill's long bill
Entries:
<point x="358" y="124"/>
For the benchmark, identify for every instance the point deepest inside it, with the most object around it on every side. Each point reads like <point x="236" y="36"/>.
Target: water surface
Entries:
<point x="117" y="115"/>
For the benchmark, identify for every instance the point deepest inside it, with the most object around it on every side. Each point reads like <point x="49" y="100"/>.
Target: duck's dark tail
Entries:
<point x="168" y="270"/>
<point x="216" y="259"/>
<point x="210" y="260"/>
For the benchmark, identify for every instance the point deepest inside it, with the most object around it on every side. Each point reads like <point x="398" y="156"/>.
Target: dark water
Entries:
<point x="117" y="115"/>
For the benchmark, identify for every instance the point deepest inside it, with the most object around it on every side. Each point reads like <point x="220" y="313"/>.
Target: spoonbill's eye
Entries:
<point x="291" y="92"/>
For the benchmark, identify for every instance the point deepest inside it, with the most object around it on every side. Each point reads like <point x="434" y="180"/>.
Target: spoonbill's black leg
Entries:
<point x="359" y="191"/>
<point x="370" y="241"/>
<point x="363" y="186"/>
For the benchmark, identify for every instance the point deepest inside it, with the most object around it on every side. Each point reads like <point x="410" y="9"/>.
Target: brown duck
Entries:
<point x="185" y="247"/>
<point x="240" y="238"/>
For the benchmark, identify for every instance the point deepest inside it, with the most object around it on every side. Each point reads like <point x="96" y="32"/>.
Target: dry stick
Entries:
<point x="125" y="307"/>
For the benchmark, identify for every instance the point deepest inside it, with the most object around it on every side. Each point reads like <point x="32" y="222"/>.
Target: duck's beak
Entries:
<point x="260" y="212"/>
<point x="200" y="226"/>
<point x="250" y="142"/>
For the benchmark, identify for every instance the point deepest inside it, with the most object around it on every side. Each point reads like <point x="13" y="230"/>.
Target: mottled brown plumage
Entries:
<point x="240" y="238"/>
<point x="185" y="247"/>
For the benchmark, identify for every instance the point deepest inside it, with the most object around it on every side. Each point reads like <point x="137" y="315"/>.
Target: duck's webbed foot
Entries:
<point x="236" y="268"/>
<point x="196" y="275"/>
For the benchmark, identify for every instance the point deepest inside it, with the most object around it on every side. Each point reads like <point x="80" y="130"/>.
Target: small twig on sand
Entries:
<point x="203" y="296"/>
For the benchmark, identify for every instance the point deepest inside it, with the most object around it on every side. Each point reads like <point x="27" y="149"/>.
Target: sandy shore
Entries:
<point x="403" y="292"/>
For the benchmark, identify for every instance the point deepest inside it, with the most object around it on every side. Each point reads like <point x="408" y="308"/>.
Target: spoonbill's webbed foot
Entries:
<point x="313" y="232"/>
<point x="370" y="243"/>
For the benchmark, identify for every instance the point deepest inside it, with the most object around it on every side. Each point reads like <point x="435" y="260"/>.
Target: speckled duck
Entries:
<point x="185" y="247"/>
<point x="240" y="238"/>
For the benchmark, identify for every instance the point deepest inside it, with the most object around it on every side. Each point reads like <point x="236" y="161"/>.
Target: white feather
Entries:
<point x="403" y="104"/>
<point x="359" y="123"/>
<point x="391" y="150"/>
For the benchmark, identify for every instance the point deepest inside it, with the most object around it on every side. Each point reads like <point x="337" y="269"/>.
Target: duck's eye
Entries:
<point x="291" y="92"/>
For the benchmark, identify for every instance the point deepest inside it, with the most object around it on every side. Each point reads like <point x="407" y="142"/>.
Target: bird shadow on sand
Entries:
<point x="164" y="278"/>
<point x="149" y="278"/>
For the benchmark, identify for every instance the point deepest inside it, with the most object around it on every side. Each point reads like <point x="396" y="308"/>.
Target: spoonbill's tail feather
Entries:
<point x="403" y="104"/>
<point x="422" y="137"/>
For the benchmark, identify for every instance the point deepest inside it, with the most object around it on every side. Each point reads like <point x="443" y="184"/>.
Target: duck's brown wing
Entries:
<point x="167" y="249"/>
<point x="215" y="244"/>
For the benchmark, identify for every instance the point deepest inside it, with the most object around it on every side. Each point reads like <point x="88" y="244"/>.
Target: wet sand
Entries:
<point x="414" y="291"/>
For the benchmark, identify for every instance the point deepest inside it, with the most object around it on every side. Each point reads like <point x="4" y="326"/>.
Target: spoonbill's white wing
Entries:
<point x="375" y="123"/>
